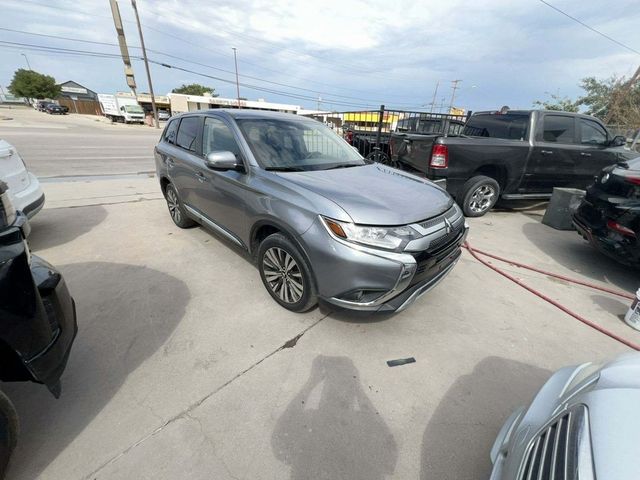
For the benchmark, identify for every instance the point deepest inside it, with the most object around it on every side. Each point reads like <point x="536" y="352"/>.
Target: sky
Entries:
<point x="334" y="54"/>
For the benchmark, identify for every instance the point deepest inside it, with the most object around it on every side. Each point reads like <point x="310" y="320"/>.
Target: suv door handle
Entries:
<point x="169" y="162"/>
<point x="201" y="177"/>
<point x="546" y="152"/>
<point x="585" y="154"/>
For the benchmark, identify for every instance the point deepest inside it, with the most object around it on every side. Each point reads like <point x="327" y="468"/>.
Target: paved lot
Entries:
<point x="184" y="367"/>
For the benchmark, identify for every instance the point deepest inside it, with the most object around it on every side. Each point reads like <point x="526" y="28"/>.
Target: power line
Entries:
<point x="254" y="42"/>
<point x="93" y="42"/>
<point x="591" y="28"/>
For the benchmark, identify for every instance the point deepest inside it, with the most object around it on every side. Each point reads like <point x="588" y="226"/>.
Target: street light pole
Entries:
<point x="146" y="65"/>
<point x="25" y="57"/>
<point x="235" y="60"/>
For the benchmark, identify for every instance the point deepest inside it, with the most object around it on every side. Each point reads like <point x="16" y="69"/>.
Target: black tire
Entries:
<point x="479" y="195"/>
<point x="289" y="284"/>
<point x="8" y="432"/>
<point x="176" y="208"/>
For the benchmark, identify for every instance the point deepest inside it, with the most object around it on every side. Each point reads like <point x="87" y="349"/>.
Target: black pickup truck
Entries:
<point x="511" y="154"/>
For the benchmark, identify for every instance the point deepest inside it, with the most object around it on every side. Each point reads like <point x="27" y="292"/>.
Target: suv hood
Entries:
<point x="376" y="194"/>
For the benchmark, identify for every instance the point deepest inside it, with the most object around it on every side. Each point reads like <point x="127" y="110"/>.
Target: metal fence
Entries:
<point x="369" y="131"/>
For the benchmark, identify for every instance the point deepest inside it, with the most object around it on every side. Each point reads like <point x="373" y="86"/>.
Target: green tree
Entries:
<point x="556" y="102"/>
<point x="30" y="84"/>
<point x="195" y="89"/>
<point x="613" y="99"/>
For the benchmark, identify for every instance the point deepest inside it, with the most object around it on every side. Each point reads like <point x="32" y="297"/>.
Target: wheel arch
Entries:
<point x="499" y="173"/>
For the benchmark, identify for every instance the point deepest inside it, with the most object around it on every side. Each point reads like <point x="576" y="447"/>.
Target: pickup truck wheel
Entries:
<point x="8" y="432"/>
<point x="381" y="157"/>
<point x="286" y="274"/>
<point x="479" y="195"/>
<point x="176" y="209"/>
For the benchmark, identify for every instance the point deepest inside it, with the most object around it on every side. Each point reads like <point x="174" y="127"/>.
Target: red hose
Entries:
<point x="476" y="255"/>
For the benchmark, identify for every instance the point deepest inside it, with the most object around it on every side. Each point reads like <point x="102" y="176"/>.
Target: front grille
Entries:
<point x="553" y="452"/>
<point x="449" y="215"/>
<point x="456" y="227"/>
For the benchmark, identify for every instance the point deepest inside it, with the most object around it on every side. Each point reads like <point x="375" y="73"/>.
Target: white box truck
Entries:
<point x="121" y="109"/>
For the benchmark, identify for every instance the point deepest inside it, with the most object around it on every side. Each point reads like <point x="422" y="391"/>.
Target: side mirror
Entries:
<point x="618" y="141"/>
<point x="223" y="160"/>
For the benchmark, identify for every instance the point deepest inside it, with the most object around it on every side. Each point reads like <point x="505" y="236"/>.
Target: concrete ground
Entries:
<point x="185" y="368"/>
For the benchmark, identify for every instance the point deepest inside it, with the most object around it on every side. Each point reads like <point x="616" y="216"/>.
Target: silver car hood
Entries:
<point x="376" y="194"/>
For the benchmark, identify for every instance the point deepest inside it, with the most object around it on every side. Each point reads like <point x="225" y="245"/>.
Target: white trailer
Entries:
<point x="121" y="109"/>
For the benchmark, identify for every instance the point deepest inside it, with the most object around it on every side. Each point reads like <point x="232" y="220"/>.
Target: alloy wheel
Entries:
<point x="482" y="198"/>
<point x="283" y="275"/>
<point x="174" y="205"/>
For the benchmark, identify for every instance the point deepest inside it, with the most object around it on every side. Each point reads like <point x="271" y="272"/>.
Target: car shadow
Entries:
<point x="331" y="430"/>
<point x="56" y="226"/>
<point x="614" y="306"/>
<point x="117" y="331"/>
<point x="461" y="431"/>
<point x="578" y="255"/>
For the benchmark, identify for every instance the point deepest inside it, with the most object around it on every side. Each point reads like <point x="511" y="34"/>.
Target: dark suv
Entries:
<point x="321" y="221"/>
<point x="37" y="319"/>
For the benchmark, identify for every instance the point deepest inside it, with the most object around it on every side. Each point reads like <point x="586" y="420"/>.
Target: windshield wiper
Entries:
<point x="285" y="169"/>
<point x="345" y="165"/>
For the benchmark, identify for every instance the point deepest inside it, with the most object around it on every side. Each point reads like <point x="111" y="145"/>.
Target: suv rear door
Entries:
<point x="183" y="158"/>
<point x="553" y="161"/>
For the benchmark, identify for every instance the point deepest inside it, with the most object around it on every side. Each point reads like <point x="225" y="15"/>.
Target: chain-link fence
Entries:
<point x="370" y="131"/>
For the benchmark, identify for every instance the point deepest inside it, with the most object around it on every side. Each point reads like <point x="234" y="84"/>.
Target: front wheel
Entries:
<point x="479" y="195"/>
<point x="286" y="274"/>
<point x="8" y="432"/>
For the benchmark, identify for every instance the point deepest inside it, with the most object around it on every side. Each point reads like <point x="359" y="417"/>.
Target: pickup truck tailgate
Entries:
<point x="413" y="150"/>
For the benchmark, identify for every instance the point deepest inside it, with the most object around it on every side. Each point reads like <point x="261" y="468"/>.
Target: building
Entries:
<point x="79" y="99"/>
<point x="162" y="102"/>
<point x="188" y="103"/>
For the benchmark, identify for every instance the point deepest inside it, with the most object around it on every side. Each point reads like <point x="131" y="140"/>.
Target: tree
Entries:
<point x="612" y="98"/>
<point x="30" y="84"/>
<point x="556" y="102"/>
<point x="195" y="89"/>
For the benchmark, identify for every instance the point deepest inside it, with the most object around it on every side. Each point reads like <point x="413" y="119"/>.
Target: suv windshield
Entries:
<point x="510" y="126"/>
<point x="288" y="145"/>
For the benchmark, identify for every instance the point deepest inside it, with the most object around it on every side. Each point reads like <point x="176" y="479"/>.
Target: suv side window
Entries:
<point x="558" y="129"/>
<point x="218" y="137"/>
<point x="592" y="133"/>
<point x="188" y="133"/>
<point x="170" y="132"/>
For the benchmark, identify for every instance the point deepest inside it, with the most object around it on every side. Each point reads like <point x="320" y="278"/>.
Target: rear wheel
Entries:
<point x="286" y="274"/>
<point x="479" y="195"/>
<point x="8" y="432"/>
<point x="176" y="209"/>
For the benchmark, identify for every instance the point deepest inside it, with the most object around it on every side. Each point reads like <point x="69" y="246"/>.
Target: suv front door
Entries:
<point x="223" y="193"/>
<point x="553" y="158"/>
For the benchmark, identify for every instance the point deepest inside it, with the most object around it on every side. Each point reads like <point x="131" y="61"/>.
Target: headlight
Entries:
<point x="390" y="238"/>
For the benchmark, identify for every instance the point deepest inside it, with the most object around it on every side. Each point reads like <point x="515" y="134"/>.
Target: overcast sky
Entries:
<point x="351" y="53"/>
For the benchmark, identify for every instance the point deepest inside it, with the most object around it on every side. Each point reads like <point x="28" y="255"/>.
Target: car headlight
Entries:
<point x="389" y="238"/>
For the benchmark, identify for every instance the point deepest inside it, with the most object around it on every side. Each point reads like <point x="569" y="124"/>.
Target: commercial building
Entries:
<point x="78" y="98"/>
<point x="188" y="103"/>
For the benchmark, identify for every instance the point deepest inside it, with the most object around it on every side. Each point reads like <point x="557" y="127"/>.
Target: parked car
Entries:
<point x="320" y="221"/>
<point x="609" y="216"/>
<point x="54" y="109"/>
<point x="163" y="115"/>
<point x="40" y="104"/>
<point x="24" y="188"/>
<point x="583" y="424"/>
<point x="65" y="109"/>
<point x="37" y="319"/>
<point x="511" y="154"/>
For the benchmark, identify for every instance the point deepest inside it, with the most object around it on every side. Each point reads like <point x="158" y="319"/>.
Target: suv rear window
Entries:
<point x="510" y="126"/>
<point x="188" y="132"/>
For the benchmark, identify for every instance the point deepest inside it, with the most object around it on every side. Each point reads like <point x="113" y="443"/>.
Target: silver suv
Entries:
<point x="319" y="220"/>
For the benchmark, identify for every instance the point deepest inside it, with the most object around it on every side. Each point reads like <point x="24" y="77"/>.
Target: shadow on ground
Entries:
<point x="57" y="226"/>
<point x="614" y="306"/>
<point x="570" y="250"/>
<point x="125" y="314"/>
<point x="460" y="434"/>
<point x="331" y="429"/>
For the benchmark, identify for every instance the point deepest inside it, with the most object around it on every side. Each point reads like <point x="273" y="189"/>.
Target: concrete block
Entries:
<point x="561" y="207"/>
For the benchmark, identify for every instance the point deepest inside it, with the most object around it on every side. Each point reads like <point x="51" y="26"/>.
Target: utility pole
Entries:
<point x="124" y="50"/>
<point x="435" y="92"/>
<point x="319" y="100"/>
<point x="25" y="57"/>
<point x="453" y="93"/>
<point x="146" y="65"/>
<point x="235" y="60"/>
